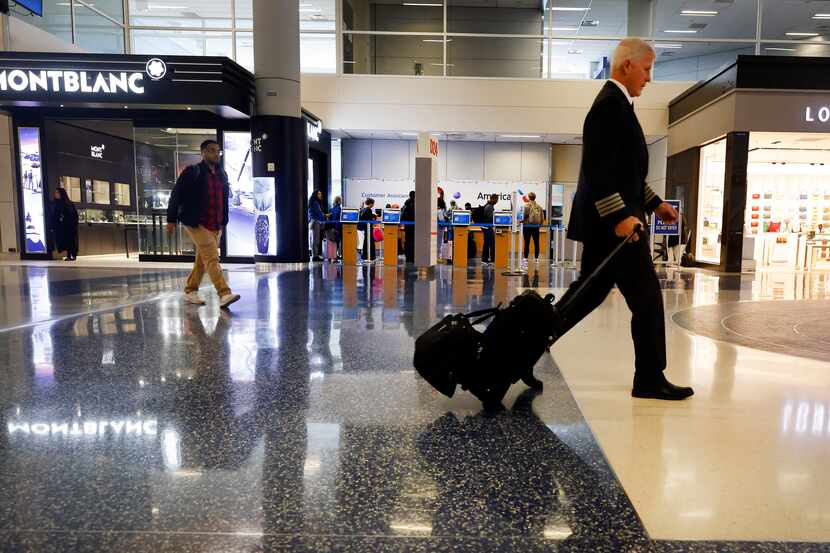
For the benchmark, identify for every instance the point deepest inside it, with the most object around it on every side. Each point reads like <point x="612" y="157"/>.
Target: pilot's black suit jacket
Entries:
<point x="612" y="178"/>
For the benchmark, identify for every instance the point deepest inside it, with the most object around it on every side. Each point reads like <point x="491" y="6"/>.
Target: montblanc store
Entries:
<point x="749" y="156"/>
<point x="115" y="131"/>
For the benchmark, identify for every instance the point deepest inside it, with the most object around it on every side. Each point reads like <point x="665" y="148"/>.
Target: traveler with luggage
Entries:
<point x="200" y="202"/>
<point x="532" y="218"/>
<point x="316" y="220"/>
<point x="610" y="204"/>
<point x="488" y="252"/>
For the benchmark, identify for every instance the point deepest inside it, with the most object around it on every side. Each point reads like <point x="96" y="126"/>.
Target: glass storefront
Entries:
<point x="161" y="154"/>
<point x="788" y="200"/>
<point x="710" y="201"/>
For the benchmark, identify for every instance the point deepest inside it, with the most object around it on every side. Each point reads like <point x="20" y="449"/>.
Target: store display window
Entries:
<point x="101" y="191"/>
<point x="122" y="193"/>
<point x="710" y="202"/>
<point x="72" y="185"/>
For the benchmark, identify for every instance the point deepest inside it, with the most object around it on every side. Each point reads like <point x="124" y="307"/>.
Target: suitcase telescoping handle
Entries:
<point x="593" y="276"/>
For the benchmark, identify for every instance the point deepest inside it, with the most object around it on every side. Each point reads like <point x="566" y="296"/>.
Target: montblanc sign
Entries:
<point x="83" y="82"/>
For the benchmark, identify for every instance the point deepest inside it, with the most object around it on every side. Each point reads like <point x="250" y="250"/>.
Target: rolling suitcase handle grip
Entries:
<point x="593" y="276"/>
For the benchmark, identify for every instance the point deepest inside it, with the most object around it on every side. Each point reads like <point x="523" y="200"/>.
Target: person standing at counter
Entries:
<point x="64" y="223"/>
<point x="333" y="227"/>
<point x="200" y="202"/>
<point x="533" y="217"/>
<point x="408" y="217"/>
<point x="488" y="252"/>
<point x="316" y="220"/>
<point x="367" y="214"/>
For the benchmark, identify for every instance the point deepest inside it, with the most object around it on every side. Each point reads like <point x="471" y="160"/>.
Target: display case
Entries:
<point x="710" y="202"/>
<point x="72" y="185"/>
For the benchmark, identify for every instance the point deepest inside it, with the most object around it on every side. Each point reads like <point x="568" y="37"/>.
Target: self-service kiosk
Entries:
<point x="349" y="217"/>
<point x="502" y="223"/>
<point x="391" y="222"/>
<point x="460" y="220"/>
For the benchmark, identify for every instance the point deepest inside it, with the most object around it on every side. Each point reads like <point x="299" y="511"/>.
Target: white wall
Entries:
<point x="493" y="161"/>
<point x="463" y="105"/>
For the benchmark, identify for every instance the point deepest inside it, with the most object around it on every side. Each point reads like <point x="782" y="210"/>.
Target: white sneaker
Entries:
<point x="194" y="298"/>
<point x="228" y="299"/>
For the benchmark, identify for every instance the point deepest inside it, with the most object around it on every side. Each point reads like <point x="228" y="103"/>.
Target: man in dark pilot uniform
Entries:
<point x="611" y="200"/>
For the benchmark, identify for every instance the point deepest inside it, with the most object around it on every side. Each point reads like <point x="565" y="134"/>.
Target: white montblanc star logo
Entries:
<point x="156" y="68"/>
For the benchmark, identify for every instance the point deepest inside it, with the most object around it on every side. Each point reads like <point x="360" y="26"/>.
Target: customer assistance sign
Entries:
<point x="668" y="229"/>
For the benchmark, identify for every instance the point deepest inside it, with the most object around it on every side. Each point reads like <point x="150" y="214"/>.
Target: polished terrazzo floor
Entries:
<point x="294" y="422"/>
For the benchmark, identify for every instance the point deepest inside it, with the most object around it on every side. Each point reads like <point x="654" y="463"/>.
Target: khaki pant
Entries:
<point x="207" y="259"/>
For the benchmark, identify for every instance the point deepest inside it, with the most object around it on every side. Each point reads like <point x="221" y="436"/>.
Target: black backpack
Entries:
<point x="453" y="352"/>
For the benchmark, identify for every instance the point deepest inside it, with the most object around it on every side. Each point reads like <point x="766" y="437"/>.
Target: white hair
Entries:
<point x="630" y="49"/>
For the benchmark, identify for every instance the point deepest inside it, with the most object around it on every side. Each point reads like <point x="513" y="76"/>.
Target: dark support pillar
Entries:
<point x="278" y="129"/>
<point x="734" y="201"/>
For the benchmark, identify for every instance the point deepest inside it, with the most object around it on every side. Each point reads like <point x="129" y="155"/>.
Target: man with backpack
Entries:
<point x="200" y="202"/>
<point x="532" y="219"/>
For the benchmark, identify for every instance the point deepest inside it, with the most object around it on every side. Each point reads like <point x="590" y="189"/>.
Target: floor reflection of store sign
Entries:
<point x="821" y="114"/>
<point x="87" y="82"/>
<point x="77" y="429"/>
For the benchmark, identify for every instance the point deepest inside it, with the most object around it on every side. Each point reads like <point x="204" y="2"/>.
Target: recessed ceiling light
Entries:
<point x="438" y="40"/>
<point x="822" y="16"/>
<point x="802" y="34"/>
<point x="310" y="10"/>
<point x="681" y="31"/>
<point x="576" y="51"/>
<point x="705" y="13"/>
<point x="520" y="136"/>
<point x="423" y="5"/>
<point x="561" y="42"/>
<point x="565" y="9"/>
<point x="564" y="28"/>
<point x="189" y="108"/>
<point x="672" y="45"/>
<point x="125" y="107"/>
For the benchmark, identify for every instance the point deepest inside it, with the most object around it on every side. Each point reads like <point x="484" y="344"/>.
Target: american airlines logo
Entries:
<point x="86" y="82"/>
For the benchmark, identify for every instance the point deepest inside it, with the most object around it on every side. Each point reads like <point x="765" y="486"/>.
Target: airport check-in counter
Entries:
<point x="349" y="219"/>
<point x="460" y="220"/>
<point x="391" y="222"/>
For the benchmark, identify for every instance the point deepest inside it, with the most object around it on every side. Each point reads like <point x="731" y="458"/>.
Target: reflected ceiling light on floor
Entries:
<point x="422" y="5"/>
<point x="681" y="31"/>
<point x="704" y="13"/>
<point x="672" y="45"/>
<point x="802" y="34"/>
<point x="777" y="49"/>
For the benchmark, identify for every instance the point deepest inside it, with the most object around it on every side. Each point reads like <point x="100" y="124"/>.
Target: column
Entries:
<point x="278" y="133"/>
<point x="734" y="201"/>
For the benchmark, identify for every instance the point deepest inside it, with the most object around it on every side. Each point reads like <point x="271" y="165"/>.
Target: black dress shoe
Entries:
<point x="660" y="388"/>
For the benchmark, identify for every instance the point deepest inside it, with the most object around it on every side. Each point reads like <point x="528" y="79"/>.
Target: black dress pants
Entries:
<point x="528" y="233"/>
<point x="488" y="252"/>
<point x="409" y="242"/>
<point x="633" y="272"/>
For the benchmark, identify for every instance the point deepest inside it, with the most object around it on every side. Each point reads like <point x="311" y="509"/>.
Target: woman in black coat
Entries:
<point x="65" y="224"/>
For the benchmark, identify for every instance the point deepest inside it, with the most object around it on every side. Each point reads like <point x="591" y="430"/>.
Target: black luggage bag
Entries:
<point x="454" y="353"/>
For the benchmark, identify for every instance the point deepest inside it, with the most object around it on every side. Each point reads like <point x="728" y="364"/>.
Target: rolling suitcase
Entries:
<point x="454" y="353"/>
